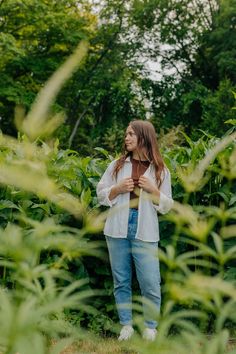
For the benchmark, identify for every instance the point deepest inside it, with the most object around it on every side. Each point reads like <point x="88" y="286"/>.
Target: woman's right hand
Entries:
<point x="124" y="186"/>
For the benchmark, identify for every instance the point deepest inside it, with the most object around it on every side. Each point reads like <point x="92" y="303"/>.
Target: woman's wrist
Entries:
<point x="156" y="195"/>
<point x="114" y="192"/>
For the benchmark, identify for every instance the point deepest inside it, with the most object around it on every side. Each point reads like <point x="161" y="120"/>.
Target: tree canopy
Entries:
<point x="191" y="42"/>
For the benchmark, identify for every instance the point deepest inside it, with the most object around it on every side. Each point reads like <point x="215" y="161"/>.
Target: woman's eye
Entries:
<point x="129" y="134"/>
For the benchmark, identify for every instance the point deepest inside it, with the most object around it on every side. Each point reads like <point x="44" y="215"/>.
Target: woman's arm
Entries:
<point x="105" y="185"/>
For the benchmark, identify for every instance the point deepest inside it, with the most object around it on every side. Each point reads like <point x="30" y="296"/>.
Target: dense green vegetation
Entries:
<point x="197" y="245"/>
<point x="55" y="280"/>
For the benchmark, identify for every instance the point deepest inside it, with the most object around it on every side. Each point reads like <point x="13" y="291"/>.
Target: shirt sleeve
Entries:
<point x="166" y="202"/>
<point x="104" y="186"/>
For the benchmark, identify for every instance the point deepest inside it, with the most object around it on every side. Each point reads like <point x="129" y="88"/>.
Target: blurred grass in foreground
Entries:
<point x="197" y="298"/>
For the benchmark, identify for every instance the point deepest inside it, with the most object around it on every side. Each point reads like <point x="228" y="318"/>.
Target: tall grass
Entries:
<point x="35" y="294"/>
<point x="43" y="187"/>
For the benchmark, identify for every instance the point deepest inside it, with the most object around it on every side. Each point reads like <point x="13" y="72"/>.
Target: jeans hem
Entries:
<point x="129" y="323"/>
<point x="149" y="325"/>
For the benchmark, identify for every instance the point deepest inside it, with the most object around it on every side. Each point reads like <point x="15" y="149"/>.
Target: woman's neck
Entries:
<point x="139" y="156"/>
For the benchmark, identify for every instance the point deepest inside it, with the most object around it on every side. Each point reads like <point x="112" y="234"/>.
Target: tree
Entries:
<point x="111" y="88"/>
<point x="215" y="67"/>
<point x="108" y="92"/>
<point x="216" y="56"/>
<point x="197" y="92"/>
<point x="37" y="36"/>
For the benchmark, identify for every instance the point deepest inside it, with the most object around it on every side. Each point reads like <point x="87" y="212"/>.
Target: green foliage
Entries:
<point x="50" y="222"/>
<point x="113" y="138"/>
<point x="32" y="311"/>
<point x="188" y="39"/>
<point x="198" y="73"/>
<point x="36" y="287"/>
<point x="37" y="37"/>
<point x="217" y="108"/>
<point x="197" y="242"/>
<point x="216" y="57"/>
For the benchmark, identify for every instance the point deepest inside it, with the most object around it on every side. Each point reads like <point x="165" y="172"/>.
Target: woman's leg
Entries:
<point x="148" y="275"/>
<point x="121" y="266"/>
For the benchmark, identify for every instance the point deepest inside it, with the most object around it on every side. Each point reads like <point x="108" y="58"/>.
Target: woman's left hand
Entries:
<point x="149" y="187"/>
<point x="147" y="184"/>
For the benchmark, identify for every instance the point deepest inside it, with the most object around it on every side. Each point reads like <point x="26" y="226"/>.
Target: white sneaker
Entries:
<point x="126" y="332"/>
<point x="150" y="334"/>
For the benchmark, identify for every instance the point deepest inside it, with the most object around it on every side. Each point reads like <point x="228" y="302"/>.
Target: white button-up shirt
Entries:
<point x="116" y="224"/>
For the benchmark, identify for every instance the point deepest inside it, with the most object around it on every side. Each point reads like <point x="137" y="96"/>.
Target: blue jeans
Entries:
<point x="144" y="255"/>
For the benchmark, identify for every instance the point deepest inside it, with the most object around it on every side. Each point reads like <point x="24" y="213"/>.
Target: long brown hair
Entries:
<point x="147" y="145"/>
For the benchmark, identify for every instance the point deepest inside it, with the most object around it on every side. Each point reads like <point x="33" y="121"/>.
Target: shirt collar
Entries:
<point x="128" y="159"/>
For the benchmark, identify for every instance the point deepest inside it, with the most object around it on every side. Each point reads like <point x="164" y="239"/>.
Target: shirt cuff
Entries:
<point x="165" y="204"/>
<point x="109" y="202"/>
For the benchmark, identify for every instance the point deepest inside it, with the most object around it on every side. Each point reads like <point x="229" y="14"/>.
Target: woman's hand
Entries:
<point x="147" y="185"/>
<point x="124" y="186"/>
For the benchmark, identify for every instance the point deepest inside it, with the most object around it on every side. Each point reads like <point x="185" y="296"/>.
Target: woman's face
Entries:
<point x="131" y="140"/>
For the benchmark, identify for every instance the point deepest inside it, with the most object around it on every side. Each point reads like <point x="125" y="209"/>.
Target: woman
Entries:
<point x="135" y="187"/>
